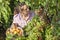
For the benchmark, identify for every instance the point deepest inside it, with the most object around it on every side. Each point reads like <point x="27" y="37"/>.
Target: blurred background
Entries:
<point x="52" y="7"/>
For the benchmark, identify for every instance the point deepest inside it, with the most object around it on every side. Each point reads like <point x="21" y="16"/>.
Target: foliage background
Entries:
<point x="50" y="6"/>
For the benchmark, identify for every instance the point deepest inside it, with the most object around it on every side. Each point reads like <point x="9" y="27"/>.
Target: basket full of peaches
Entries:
<point x="14" y="30"/>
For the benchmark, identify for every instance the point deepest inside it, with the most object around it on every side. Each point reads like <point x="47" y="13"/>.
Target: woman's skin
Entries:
<point x="25" y="12"/>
